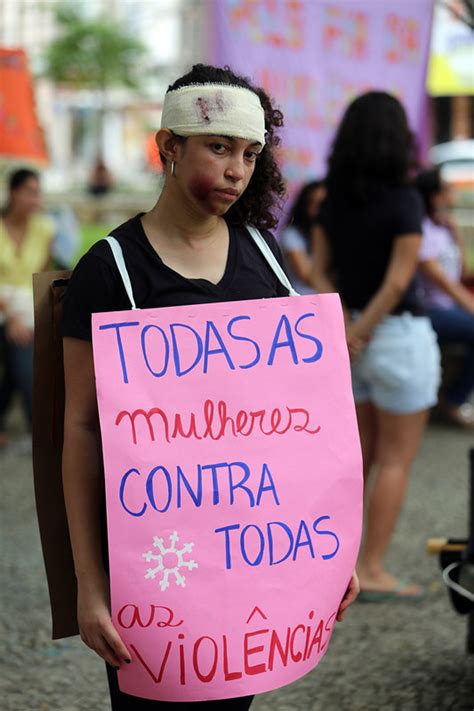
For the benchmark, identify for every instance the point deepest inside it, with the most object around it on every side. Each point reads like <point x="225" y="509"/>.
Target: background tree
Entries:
<point x="96" y="54"/>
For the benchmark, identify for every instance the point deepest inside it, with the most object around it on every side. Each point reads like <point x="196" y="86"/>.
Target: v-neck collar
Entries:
<point x="207" y="285"/>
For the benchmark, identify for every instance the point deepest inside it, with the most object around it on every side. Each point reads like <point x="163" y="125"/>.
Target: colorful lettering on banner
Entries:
<point x="402" y="39"/>
<point x="297" y="161"/>
<point x="297" y="93"/>
<point x="224" y="497"/>
<point x="340" y="91"/>
<point x="294" y="48"/>
<point x="345" y="31"/>
<point x="275" y="23"/>
<point x="399" y="90"/>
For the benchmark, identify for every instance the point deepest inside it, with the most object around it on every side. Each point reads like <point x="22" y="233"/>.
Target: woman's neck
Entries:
<point x="15" y="218"/>
<point x="180" y="222"/>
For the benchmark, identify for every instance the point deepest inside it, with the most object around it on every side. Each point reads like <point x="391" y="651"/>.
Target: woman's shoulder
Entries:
<point x="99" y="262"/>
<point x="407" y="190"/>
<point x="270" y="239"/>
<point x="251" y="251"/>
<point x="402" y="210"/>
<point x="125" y="234"/>
<point x="267" y="235"/>
<point x="404" y="195"/>
<point x="95" y="286"/>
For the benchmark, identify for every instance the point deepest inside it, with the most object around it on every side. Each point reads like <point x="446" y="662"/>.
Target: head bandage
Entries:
<point x="214" y="109"/>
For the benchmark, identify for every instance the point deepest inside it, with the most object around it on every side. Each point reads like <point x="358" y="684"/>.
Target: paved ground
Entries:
<point x="393" y="657"/>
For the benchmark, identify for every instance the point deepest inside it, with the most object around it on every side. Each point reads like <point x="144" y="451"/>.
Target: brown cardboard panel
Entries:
<point x="48" y="416"/>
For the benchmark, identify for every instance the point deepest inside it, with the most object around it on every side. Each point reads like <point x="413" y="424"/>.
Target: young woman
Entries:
<point x="190" y="248"/>
<point x="26" y="238"/>
<point x="366" y="247"/>
<point x="296" y="238"/>
<point x="448" y="303"/>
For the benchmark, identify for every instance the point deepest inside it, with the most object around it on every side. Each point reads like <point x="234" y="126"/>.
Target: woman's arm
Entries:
<point x="433" y="270"/>
<point x="400" y="271"/>
<point x="294" y="246"/>
<point x="321" y="263"/>
<point x="84" y="496"/>
<point x="458" y="238"/>
<point x="300" y="264"/>
<point x="320" y="270"/>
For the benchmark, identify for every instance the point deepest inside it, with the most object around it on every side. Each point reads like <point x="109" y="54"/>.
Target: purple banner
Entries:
<point x="314" y="56"/>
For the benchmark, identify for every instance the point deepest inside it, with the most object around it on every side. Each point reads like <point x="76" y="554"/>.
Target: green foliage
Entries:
<point x="93" y="53"/>
<point x="90" y="233"/>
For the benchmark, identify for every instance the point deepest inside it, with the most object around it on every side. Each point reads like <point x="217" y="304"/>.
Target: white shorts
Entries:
<point x="399" y="370"/>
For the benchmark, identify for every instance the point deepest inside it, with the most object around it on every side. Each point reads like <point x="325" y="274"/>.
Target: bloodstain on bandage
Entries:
<point x="207" y="107"/>
<point x="204" y="109"/>
<point x="220" y="102"/>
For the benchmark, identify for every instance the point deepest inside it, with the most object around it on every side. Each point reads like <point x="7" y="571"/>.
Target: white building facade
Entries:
<point x="173" y="33"/>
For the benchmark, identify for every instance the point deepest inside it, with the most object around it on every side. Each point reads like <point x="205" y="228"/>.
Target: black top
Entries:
<point x="96" y="284"/>
<point x="361" y="238"/>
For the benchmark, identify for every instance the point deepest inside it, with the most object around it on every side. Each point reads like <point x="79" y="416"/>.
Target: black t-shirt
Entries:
<point x="96" y="284"/>
<point x="361" y="238"/>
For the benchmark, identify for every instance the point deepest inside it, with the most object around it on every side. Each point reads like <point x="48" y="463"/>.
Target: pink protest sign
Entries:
<point x="233" y="486"/>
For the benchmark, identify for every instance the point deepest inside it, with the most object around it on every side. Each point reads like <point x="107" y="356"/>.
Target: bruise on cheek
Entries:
<point x="200" y="188"/>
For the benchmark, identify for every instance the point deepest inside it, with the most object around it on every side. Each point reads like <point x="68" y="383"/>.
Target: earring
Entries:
<point x="172" y="167"/>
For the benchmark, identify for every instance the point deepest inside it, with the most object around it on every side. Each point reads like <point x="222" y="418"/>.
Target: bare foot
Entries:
<point x="386" y="582"/>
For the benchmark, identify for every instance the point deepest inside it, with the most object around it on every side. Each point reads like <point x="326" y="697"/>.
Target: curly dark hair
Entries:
<point x="266" y="189"/>
<point x="373" y="147"/>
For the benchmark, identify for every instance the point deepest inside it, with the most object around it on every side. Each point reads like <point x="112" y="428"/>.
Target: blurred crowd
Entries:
<point x="378" y="230"/>
<point x="31" y="241"/>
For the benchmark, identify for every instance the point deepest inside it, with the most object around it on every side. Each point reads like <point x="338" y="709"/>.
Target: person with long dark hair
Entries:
<point x="296" y="239"/>
<point x="190" y="248"/>
<point x="366" y="247"/>
<point x="26" y="238"/>
<point x="448" y="303"/>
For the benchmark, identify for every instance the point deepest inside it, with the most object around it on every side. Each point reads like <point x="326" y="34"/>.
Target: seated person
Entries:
<point x="100" y="180"/>
<point x="448" y="303"/>
<point x="296" y="238"/>
<point x="26" y="237"/>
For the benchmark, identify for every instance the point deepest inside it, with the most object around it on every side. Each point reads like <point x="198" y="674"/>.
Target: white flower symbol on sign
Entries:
<point x="169" y="561"/>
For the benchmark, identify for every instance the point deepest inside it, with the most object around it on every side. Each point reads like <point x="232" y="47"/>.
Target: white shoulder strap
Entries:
<point x="256" y="236"/>
<point x="120" y="262"/>
<point x="271" y="259"/>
